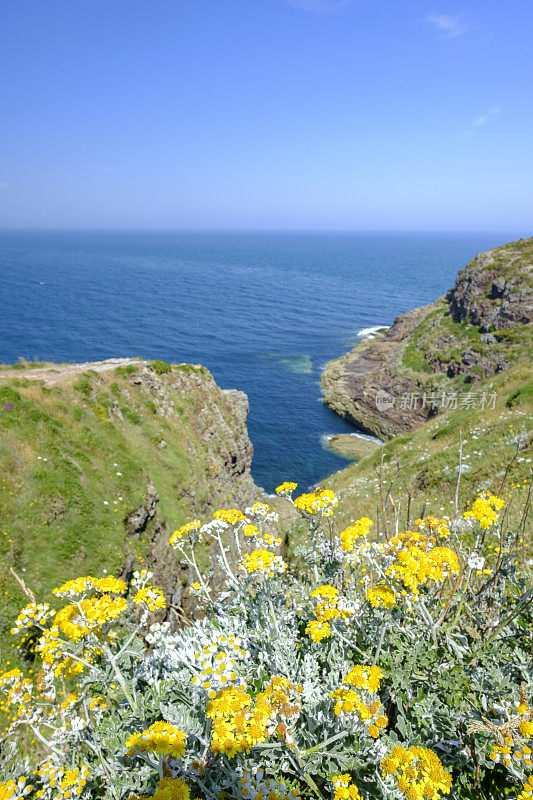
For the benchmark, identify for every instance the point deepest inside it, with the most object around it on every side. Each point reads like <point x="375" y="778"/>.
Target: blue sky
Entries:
<point x="313" y="114"/>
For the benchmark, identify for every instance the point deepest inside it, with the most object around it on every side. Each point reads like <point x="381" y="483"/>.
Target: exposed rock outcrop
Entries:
<point x="397" y="380"/>
<point x="363" y="385"/>
<point x="127" y="451"/>
<point x="494" y="291"/>
<point x="217" y="431"/>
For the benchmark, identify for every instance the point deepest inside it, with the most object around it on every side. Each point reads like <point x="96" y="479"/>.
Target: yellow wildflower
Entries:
<point x="15" y="789"/>
<point x="262" y="562"/>
<point x="318" y="630"/>
<point x="484" y="509"/>
<point x="189" y="527"/>
<point x="286" y="488"/>
<point x="326" y="591"/>
<point x="161" y="738"/>
<point x="344" y="789"/>
<point x="381" y="595"/>
<point x="171" y="789"/>
<point x="418" y="773"/>
<point x="321" y="501"/>
<point x="358" y="530"/>
<point x="151" y="597"/>
<point x="230" y="515"/>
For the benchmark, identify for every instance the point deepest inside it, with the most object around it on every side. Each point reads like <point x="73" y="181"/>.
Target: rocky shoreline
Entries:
<point x="397" y="380"/>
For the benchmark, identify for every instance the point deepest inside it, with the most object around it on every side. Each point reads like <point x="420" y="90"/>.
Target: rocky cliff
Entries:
<point x="398" y="380"/>
<point x="101" y="461"/>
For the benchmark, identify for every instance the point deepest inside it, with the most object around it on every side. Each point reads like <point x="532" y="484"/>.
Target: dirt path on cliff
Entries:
<point x="55" y="373"/>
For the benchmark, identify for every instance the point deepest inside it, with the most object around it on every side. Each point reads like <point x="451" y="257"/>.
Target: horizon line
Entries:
<point x="129" y="229"/>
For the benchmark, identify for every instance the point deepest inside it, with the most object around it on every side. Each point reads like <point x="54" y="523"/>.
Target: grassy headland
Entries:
<point x="100" y="462"/>
<point x="456" y="384"/>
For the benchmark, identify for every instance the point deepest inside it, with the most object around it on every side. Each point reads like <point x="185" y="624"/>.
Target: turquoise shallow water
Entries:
<point x="263" y="311"/>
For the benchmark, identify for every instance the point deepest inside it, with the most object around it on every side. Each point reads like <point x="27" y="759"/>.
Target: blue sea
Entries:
<point x="263" y="311"/>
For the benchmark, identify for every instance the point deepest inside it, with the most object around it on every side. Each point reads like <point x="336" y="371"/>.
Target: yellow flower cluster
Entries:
<point x="69" y="702"/>
<point x="527" y="789"/>
<point x="435" y="525"/>
<point x="381" y="595"/>
<point x="237" y="723"/>
<point x="286" y="488"/>
<point x="17" y="688"/>
<point x="109" y="585"/>
<point x="151" y="597"/>
<point x="349" y="702"/>
<point x="415" y="564"/>
<point x="98" y="703"/>
<point x="15" y="789"/>
<point x="184" y="531"/>
<point x="344" y="789"/>
<point x="76" y="622"/>
<point x="230" y="515"/>
<point x="321" y="501"/>
<point x="161" y="738"/>
<point x="325" y="611"/>
<point x="508" y="755"/>
<point x="67" y="783"/>
<point x="402" y="541"/>
<point x="418" y="773"/>
<point x="352" y="533"/>
<point x="484" y="509"/>
<point x="79" y="586"/>
<point x="10" y="677"/>
<point x="32" y="614"/>
<point x="326" y="591"/>
<point x="318" y="630"/>
<point x="171" y="789"/>
<point x="49" y="648"/>
<point x="364" y="677"/>
<point x="285" y="705"/>
<point x="262" y="562"/>
<point x="367" y="679"/>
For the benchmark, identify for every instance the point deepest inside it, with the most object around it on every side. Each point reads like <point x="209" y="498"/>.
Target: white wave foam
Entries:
<point x="368" y="333"/>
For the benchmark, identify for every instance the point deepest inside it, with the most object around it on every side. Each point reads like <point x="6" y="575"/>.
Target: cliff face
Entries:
<point x="397" y="381"/>
<point x="360" y="385"/>
<point x="495" y="290"/>
<point x="101" y="461"/>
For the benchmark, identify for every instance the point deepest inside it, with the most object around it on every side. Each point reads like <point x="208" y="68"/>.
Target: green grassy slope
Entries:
<point x="76" y="457"/>
<point x="496" y="455"/>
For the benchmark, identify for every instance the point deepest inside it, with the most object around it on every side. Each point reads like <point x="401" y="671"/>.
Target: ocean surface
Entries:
<point x="263" y="311"/>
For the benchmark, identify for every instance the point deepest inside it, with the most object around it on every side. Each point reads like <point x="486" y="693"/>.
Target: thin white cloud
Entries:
<point x="479" y="122"/>
<point x="319" y="6"/>
<point x="450" y="27"/>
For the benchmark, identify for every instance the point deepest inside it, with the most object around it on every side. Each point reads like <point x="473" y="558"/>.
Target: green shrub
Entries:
<point x="129" y="369"/>
<point x="191" y="369"/>
<point x="161" y="367"/>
